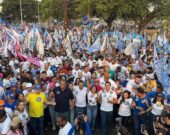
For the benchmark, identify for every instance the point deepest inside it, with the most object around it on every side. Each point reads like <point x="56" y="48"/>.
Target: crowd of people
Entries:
<point x="83" y="92"/>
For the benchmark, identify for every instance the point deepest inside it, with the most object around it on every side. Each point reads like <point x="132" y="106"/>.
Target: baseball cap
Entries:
<point x="15" y="121"/>
<point x="159" y="94"/>
<point x="2" y="102"/>
<point x="37" y="87"/>
<point x="28" y="85"/>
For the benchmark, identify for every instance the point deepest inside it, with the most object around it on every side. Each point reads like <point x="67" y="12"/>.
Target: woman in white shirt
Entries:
<point x="21" y="112"/>
<point x="156" y="109"/>
<point x="125" y="102"/>
<point x="92" y="106"/>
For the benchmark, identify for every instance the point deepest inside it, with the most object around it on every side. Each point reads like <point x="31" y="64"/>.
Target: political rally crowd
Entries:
<point x="82" y="90"/>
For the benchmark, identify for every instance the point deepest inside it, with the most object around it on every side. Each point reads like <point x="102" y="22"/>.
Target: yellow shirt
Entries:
<point x="36" y="104"/>
<point x="150" y="85"/>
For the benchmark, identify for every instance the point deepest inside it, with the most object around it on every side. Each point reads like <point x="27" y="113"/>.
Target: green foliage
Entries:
<point x="52" y="9"/>
<point x="55" y="9"/>
<point x="86" y="7"/>
<point x="110" y="10"/>
<point x="11" y="10"/>
<point x="144" y="11"/>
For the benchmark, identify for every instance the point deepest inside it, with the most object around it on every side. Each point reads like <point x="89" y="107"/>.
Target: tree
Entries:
<point x="52" y="9"/>
<point x="143" y="12"/>
<point x="86" y="7"/>
<point x="57" y="9"/>
<point x="11" y="10"/>
<point x="110" y="10"/>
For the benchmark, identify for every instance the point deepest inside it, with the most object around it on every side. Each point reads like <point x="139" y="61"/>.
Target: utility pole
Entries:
<point x="38" y="12"/>
<point x="21" y="12"/>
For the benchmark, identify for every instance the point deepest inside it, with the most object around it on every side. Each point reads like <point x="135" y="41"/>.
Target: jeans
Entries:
<point x="65" y="114"/>
<point x="46" y="117"/>
<point x="72" y="116"/>
<point x="37" y="125"/>
<point x="52" y="115"/>
<point x="125" y="120"/>
<point x="91" y="115"/>
<point x="138" y="121"/>
<point x="106" y="118"/>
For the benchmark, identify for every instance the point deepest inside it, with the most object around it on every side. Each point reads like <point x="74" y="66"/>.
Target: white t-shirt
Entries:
<point x="80" y="96"/>
<point x="5" y="126"/>
<point x="11" y="63"/>
<point x="2" y="92"/>
<point x="114" y="66"/>
<point x="106" y="96"/>
<point x="23" y="116"/>
<point x="125" y="107"/>
<point x="6" y="83"/>
<point x="9" y="112"/>
<point x="86" y="75"/>
<point x="157" y="109"/>
<point x="25" y="66"/>
<point x="75" y="72"/>
<point x="91" y="99"/>
<point x="90" y="63"/>
<point x="130" y="86"/>
<point x="65" y="129"/>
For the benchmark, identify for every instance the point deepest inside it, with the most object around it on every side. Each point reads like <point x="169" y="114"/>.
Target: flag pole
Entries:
<point x="21" y="12"/>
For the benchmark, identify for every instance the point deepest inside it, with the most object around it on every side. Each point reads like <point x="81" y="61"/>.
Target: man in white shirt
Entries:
<point x="80" y="96"/>
<point x="106" y="78"/>
<point x="76" y="70"/>
<point x="134" y="84"/>
<point x="64" y="125"/>
<point x="106" y="97"/>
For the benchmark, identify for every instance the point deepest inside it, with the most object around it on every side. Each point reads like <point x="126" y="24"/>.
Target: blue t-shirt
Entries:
<point x="53" y="68"/>
<point x="123" y="84"/>
<point x="10" y="93"/>
<point x="141" y="102"/>
<point x="12" y="106"/>
<point x="152" y="94"/>
<point x="1" y="84"/>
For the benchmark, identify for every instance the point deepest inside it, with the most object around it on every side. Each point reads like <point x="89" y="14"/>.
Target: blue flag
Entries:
<point x="95" y="47"/>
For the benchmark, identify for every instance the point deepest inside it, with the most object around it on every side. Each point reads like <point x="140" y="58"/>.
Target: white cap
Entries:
<point x="28" y="85"/>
